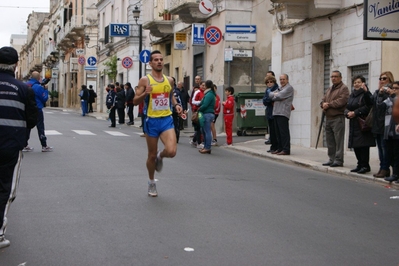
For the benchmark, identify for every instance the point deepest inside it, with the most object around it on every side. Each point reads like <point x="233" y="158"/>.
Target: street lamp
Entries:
<point x="87" y="41"/>
<point x="136" y="16"/>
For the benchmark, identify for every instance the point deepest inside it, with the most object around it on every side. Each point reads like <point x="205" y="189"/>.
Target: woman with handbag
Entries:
<point x="379" y="96"/>
<point x="360" y="136"/>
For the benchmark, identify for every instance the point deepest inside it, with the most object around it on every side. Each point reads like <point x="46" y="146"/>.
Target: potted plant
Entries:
<point x="53" y="98"/>
<point x="165" y="14"/>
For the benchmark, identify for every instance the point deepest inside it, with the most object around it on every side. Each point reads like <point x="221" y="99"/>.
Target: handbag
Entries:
<point x="194" y="117"/>
<point x="363" y="125"/>
<point x="369" y="118"/>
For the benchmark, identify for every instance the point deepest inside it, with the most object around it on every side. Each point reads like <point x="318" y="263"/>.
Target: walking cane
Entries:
<point x="320" y="128"/>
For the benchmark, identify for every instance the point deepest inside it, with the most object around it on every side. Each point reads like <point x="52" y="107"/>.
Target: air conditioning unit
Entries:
<point x="73" y="64"/>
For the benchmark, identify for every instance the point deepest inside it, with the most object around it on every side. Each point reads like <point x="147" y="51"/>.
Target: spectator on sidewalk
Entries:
<point x="175" y="114"/>
<point x="333" y="104"/>
<point x="391" y="135"/>
<point x="359" y="105"/>
<point x="92" y="98"/>
<point x="217" y="112"/>
<point x="110" y="103"/>
<point x="84" y="99"/>
<point x="129" y="103"/>
<point x="207" y="108"/>
<point x="268" y="141"/>
<point x="282" y="98"/>
<point x="185" y="100"/>
<point x="228" y="114"/>
<point x="195" y="103"/>
<point x="18" y="111"/>
<point x="120" y="103"/>
<point x="271" y="86"/>
<point x="379" y="96"/>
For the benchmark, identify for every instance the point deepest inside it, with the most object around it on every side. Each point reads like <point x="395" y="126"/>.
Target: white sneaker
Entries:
<point x="47" y="149"/>
<point x="152" y="189"/>
<point x="158" y="162"/>
<point x="28" y="149"/>
<point x="200" y="146"/>
<point x="4" y="242"/>
<point x="214" y="142"/>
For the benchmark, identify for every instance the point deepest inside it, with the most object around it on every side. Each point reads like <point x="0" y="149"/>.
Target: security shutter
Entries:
<point x="327" y="73"/>
<point x="361" y="70"/>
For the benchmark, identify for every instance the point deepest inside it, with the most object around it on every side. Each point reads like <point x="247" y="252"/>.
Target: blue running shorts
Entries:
<point x="153" y="127"/>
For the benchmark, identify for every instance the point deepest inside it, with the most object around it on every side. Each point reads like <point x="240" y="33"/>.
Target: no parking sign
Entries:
<point x="127" y="62"/>
<point x="213" y="35"/>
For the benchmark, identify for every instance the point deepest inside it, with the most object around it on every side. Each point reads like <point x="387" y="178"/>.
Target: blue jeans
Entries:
<point x="83" y="103"/>
<point x="382" y="152"/>
<point x="206" y="130"/>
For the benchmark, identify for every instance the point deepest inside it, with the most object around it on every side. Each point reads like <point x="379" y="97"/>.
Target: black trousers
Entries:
<point x="176" y="124"/>
<point x="112" y="116"/>
<point x="392" y="146"/>
<point x="130" y="113"/>
<point x="272" y="135"/>
<point x="10" y="169"/>
<point x="283" y="133"/>
<point x="362" y="156"/>
<point x="121" y="115"/>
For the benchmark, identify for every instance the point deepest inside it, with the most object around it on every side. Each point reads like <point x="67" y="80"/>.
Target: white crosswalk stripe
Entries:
<point x="84" y="132"/>
<point x="52" y="132"/>
<point x="116" y="133"/>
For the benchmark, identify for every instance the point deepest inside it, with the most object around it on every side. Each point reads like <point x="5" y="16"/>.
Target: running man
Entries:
<point x="157" y="93"/>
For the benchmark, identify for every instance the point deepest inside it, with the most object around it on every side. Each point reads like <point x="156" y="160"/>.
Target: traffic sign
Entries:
<point x="92" y="61"/>
<point x="213" y="35"/>
<point x="240" y="33"/>
<point x="127" y="62"/>
<point x="206" y="7"/>
<point x="145" y="56"/>
<point x="92" y="68"/>
<point x="80" y="51"/>
<point x="197" y="34"/>
<point x="81" y="60"/>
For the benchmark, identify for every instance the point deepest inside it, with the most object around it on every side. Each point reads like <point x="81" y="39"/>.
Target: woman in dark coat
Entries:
<point x="359" y="105"/>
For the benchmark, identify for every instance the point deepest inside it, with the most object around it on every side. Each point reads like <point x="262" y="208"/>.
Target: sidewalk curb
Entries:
<point x="343" y="172"/>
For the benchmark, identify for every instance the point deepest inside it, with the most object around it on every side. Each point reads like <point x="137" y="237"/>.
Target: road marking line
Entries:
<point x="116" y="133"/>
<point x="84" y="132"/>
<point x="52" y="132"/>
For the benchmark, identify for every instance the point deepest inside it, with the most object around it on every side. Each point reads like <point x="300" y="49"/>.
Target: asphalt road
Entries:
<point x="86" y="203"/>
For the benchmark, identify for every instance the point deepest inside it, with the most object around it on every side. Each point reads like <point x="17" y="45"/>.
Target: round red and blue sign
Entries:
<point x="127" y="62"/>
<point x="213" y="35"/>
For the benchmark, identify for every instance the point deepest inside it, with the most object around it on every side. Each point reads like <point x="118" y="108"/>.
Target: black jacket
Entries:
<point x="378" y="112"/>
<point x="120" y="99"/>
<point x="18" y="110"/>
<point x="129" y="96"/>
<point x="92" y="96"/>
<point x="359" y="102"/>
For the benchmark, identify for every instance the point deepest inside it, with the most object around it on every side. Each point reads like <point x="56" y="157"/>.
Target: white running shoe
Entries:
<point x="152" y="189"/>
<point x="47" y="149"/>
<point x="28" y="149"/>
<point x="4" y="242"/>
<point x="200" y="146"/>
<point x="158" y="162"/>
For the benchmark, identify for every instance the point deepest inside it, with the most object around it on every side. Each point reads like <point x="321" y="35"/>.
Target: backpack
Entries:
<point x="109" y="100"/>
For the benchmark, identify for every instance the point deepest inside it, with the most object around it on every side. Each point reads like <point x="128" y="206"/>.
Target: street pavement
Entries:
<point x="301" y="156"/>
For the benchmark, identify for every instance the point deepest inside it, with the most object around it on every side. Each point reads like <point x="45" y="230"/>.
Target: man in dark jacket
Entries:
<point x="84" y="99"/>
<point x="333" y="104"/>
<point x="185" y="100"/>
<point x="18" y="111"/>
<point x="92" y="98"/>
<point x="129" y="103"/>
<point x="110" y="102"/>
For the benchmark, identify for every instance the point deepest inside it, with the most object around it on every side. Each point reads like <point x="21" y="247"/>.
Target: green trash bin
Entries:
<point x="250" y="113"/>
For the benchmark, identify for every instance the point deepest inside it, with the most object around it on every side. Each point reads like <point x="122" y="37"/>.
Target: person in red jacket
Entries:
<point x="228" y="112"/>
<point x="217" y="111"/>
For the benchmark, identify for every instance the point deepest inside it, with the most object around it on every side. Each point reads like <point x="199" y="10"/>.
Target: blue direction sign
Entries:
<point x="145" y="56"/>
<point x="240" y="33"/>
<point x="91" y="61"/>
<point x="241" y="28"/>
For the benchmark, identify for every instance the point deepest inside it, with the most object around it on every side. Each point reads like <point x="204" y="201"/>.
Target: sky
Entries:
<point x="14" y="15"/>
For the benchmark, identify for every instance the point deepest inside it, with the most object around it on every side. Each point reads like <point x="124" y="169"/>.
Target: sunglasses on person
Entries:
<point x="383" y="78"/>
